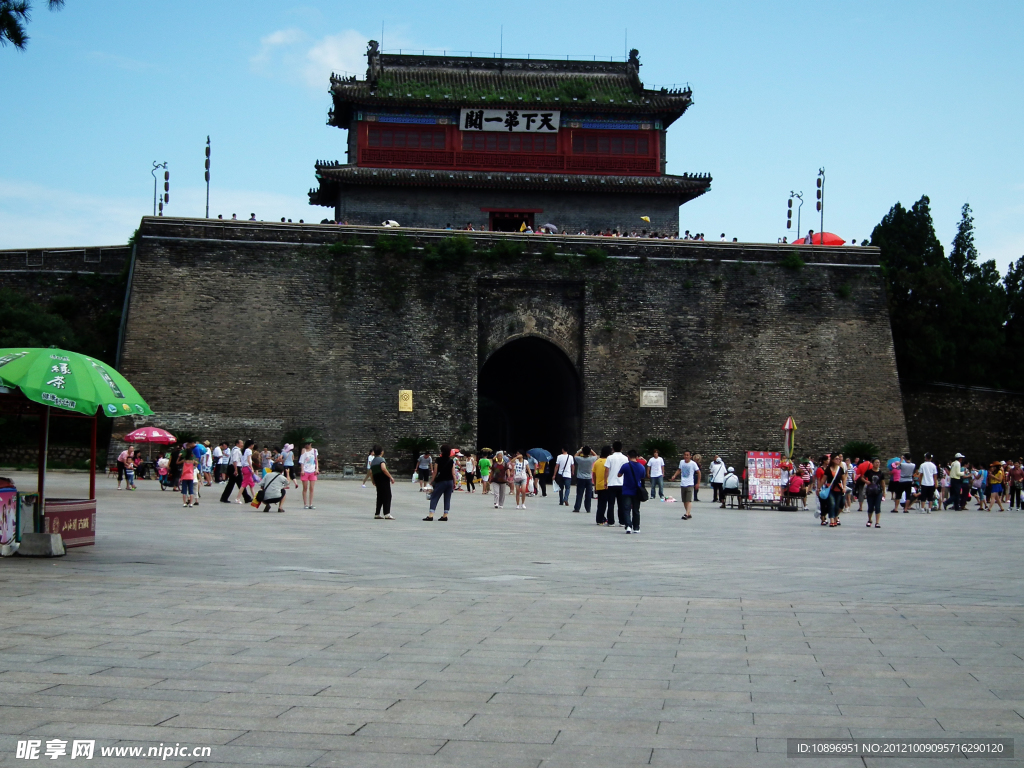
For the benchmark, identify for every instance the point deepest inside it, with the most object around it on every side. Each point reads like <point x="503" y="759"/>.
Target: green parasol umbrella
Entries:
<point x="71" y="381"/>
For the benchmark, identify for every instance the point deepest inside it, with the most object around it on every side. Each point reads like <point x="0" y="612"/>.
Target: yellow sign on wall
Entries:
<point x="405" y="400"/>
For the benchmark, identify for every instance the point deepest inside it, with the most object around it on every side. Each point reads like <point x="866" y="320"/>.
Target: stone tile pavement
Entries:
<point x="509" y="638"/>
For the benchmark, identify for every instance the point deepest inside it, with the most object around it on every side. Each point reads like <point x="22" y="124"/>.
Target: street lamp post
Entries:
<point x="155" y="166"/>
<point x="789" y="212"/>
<point x="207" y="177"/>
<point x="821" y="204"/>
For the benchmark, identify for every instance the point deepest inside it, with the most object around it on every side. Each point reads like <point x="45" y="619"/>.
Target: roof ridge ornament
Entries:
<point x="373" y="63"/>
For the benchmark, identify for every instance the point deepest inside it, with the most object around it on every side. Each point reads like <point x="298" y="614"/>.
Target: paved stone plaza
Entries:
<point x="509" y="638"/>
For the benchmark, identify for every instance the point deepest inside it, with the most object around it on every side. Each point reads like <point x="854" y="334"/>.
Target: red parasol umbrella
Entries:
<point x="150" y="435"/>
<point x="830" y="239"/>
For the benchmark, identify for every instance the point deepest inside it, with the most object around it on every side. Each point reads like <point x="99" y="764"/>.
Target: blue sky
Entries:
<point x="895" y="100"/>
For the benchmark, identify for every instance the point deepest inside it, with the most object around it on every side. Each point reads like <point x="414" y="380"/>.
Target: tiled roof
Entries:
<point x="451" y="81"/>
<point x="335" y="175"/>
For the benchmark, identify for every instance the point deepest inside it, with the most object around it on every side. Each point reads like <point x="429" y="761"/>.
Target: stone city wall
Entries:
<point x="289" y="333"/>
<point x="983" y="424"/>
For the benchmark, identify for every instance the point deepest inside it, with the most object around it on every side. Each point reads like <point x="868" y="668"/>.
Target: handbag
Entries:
<point x="262" y="493"/>
<point x="641" y="491"/>
<point x="824" y="492"/>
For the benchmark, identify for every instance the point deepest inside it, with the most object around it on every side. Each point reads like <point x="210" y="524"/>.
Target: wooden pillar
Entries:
<point x="92" y="463"/>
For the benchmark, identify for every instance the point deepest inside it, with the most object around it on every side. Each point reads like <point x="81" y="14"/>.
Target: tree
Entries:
<point x="963" y="258"/>
<point x="920" y="290"/>
<point x="14" y="16"/>
<point x="24" y="323"/>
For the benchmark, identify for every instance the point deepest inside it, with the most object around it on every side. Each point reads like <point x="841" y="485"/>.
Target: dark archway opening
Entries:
<point x="529" y="397"/>
<point x="510" y="221"/>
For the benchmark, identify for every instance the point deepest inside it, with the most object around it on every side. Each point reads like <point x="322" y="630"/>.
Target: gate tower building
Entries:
<point x="502" y="143"/>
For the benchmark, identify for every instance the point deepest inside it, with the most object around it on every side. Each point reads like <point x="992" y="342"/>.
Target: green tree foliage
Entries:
<point x="14" y="16"/>
<point x="920" y="289"/>
<point x="24" y="323"/>
<point x="860" y="449"/>
<point x="951" y="317"/>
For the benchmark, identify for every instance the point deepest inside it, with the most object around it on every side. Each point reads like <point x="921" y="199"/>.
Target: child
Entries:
<point x="188" y="479"/>
<point x="161" y="469"/>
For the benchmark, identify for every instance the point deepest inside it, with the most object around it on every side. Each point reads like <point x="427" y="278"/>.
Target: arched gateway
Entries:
<point x="529" y="395"/>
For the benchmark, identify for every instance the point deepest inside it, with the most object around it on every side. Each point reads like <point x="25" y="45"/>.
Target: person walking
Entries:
<point x="442" y="481"/>
<point x="382" y="481"/>
<point x="996" y="478"/>
<point x="369" y="475"/>
<point x="484" y="466"/>
<point x="234" y="472"/>
<point x="248" y="474"/>
<point x="697" y="458"/>
<point x="656" y="471"/>
<point x="632" y="474"/>
<point x="423" y="465"/>
<point x="563" y="476"/>
<point x="129" y="471"/>
<point x="834" y="482"/>
<point x="956" y="483"/>
<point x="1016" y="481"/>
<point x="613" y="482"/>
<point x="716" y="473"/>
<point x="309" y="467"/>
<point x="470" y="473"/>
<point x="224" y="461"/>
<point x="873" y="493"/>
<point x="499" y="480"/>
<point x="584" y="460"/>
<point x="274" y="487"/>
<point x="601" y="487"/>
<point x="521" y="479"/>
<point x="907" y="469"/>
<point x="688" y="474"/>
<point x="206" y="464"/>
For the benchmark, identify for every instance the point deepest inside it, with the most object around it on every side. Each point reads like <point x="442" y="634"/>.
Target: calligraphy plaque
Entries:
<point x="405" y="401"/>
<point x="510" y="120"/>
<point x="654" y="397"/>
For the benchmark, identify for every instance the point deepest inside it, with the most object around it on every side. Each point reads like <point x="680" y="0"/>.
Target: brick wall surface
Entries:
<point x="42" y="274"/>
<point x="983" y="424"/>
<point x="277" y="332"/>
<point x="570" y="211"/>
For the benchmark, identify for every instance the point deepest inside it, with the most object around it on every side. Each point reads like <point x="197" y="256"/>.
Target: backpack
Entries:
<point x="874" y="488"/>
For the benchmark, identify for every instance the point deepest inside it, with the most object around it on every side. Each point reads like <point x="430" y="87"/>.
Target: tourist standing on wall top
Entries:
<point x="563" y="476"/>
<point x="613" y="482"/>
<point x="309" y="464"/>
<point x="585" y="460"/>
<point x="382" y="481"/>
<point x="442" y="482"/>
<point x="601" y="488"/>
<point x="689" y="475"/>
<point x="499" y="472"/>
<point x="423" y="465"/>
<point x="716" y="473"/>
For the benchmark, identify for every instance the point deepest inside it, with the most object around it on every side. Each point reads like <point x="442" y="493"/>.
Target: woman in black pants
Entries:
<point x="443" y="482"/>
<point x="382" y="481"/>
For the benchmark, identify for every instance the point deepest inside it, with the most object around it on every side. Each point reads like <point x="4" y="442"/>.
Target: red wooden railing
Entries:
<point x="447" y="159"/>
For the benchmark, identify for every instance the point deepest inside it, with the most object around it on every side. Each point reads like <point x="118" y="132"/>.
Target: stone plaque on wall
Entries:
<point x="654" y="397"/>
<point x="405" y="401"/>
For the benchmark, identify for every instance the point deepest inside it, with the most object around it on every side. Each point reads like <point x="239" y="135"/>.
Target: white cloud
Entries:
<point x="272" y="43"/>
<point x="35" y="216"/>
<point x="344" y="53"/>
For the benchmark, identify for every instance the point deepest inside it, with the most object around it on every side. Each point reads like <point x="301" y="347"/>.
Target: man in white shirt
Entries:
<point x="563" y="476"/>
<point x="217" y="454"/>
<point x="928" y="472"/>
<point x="613" y="482"/>
<point x="689" y="475"/>
<point x="234" y="472"/>
<point x="717" y="472"/>
<point x="656" y="471"/>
